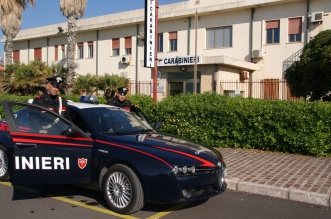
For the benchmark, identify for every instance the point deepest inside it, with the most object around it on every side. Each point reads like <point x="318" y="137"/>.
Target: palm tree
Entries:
<point x="72" y="9"/>
<point x="10" y="22"/>
<point x="30" y="78"/>
<point x="25" y="79"/>
<point x="110" y="83"/>
<point x="85" y="84"/>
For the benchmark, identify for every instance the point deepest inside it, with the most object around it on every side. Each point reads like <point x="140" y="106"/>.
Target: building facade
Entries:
<point x="236" y="43"/>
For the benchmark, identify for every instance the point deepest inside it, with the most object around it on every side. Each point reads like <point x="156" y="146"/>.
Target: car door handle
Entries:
<point x="25" y="145"/>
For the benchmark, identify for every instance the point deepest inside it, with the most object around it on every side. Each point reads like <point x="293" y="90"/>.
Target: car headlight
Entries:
<point x="183" y="170"/>
<point x="191" y="169"/>
<point x="175" y="169"/>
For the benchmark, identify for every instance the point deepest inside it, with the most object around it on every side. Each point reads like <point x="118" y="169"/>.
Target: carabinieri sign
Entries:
<point x="149" y="52"/>
<point x="179" y="60"/>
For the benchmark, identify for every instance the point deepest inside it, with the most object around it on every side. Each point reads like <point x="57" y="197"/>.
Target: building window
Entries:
<point x="173" y="41"/>
<point x="128" y="45"/>
<point x="80" y="50"/>
<point x="16" y="56"/>
<point x="90" y="49"/>
<point x="56" y="53"/>
<point x="295" y="29"/>
<point x="219" y="37"/>
<point x="37" y="53"/>
<point x="63" y="52"/>
<point x="160" y="43"/>
<point x="272" y="28"/>
<point x="116" y="47"/>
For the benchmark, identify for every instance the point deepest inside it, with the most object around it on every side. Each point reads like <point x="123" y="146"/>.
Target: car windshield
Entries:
<point x="109" y="120"/>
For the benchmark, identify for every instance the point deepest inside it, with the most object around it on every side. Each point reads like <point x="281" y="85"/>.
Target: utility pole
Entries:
<point x="195" y="53"/>
<point x="151" y="40"/>
<point x="155" y="50"/>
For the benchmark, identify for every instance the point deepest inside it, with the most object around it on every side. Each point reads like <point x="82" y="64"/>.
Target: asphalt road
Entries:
<point x="65" y="202"/>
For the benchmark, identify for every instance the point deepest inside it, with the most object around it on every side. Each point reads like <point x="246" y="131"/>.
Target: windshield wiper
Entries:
<point x="129" y="132"/>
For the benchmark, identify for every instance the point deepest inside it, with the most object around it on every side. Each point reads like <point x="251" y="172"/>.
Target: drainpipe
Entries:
<point x="97" y="54"/>
<point x="28" y="51"/>
<point x="307" y="20"/>
<point x="189" y="36"/>
<point x="250" y="87"/>
<point x="47" y="42"/>
<point x="251" y="34"/>
<point x="137" y="42"/>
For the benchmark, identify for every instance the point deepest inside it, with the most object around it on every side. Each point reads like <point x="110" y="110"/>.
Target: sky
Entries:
<point x="47" y="12"/>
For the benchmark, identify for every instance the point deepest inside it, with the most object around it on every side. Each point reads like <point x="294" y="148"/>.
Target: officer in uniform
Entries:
<point x="51" y="99"/>
<point x="120" y="99"/>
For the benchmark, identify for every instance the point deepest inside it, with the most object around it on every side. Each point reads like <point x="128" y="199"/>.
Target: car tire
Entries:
<point x="122" y="190"/>
<point x="4" y="164"/>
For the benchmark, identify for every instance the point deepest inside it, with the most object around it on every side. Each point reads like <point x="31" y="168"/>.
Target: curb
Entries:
<point x="279" y="192"/>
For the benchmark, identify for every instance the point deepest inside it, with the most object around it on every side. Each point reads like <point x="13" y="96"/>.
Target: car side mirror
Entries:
<point x="71" y="131"/>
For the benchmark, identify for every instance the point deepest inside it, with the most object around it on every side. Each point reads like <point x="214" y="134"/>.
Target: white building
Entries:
<point x="236" y="41"/>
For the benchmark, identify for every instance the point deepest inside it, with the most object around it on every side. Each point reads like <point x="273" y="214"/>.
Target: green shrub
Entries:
<point x="222" y="121"/>
<point x="145" y="103"/>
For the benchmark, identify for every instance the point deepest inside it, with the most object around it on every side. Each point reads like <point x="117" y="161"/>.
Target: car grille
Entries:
<point x="204" y="170"/>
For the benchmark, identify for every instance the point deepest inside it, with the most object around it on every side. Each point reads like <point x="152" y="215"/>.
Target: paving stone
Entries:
<point x="298" y="178"/>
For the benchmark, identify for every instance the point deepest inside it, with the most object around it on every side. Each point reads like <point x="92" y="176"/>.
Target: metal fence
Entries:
<point x="272" y="89"/>
<point x="144" y="87"/>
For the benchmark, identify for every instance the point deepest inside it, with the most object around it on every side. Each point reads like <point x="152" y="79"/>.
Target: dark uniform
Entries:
<point x="52" y="102"/>
<point x="126" y="104"/>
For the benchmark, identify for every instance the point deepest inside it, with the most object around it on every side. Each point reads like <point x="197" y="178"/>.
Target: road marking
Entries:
<point x="103" y="210"/>
<point x="168" y="211"/>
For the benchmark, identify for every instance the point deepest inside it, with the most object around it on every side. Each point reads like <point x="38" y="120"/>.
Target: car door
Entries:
<point x="48" y="149"/>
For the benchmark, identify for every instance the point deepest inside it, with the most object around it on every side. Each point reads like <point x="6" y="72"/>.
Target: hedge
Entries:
<point x="222" y="121"/>
<point x="210" y="119"/>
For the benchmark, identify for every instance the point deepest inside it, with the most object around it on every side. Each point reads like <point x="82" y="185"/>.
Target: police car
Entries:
<point x="128" y="160"/>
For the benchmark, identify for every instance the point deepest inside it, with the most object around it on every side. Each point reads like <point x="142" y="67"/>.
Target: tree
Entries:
<point x="10" y="21"/>
<point x="25" y="79"/>
<point x="110" y="83"/>
<point x="85" y="84"/>
<point x="311" y="76"/>
<point x="73" y="10"/>
<point x="7" y="78"/>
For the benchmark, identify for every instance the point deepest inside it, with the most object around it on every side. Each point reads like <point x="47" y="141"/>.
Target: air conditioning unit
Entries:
<point x="317" y="17"/>
<point x="257" y="54"/>
<point x="125" y="60"/>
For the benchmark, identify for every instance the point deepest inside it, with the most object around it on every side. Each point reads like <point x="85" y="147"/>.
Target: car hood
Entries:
<point x="173" y="149"/>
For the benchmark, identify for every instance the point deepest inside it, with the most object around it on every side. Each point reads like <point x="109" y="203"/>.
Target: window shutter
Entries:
<point x="56" y="53"/>
<point x="37" y="53"/>
<point x="294" y="25"/>
<point x="128" y="42"/>
<point x="116" y="43"/>
<point x="172" y="35"/>
<point x="272" y="24"/>
<point x="16" y="56"/>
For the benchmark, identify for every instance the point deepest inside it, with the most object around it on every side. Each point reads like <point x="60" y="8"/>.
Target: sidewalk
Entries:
<point x="298" y="178"/>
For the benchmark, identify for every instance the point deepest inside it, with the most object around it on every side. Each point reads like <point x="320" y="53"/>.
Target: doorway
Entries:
<point x="175" y="88"/>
